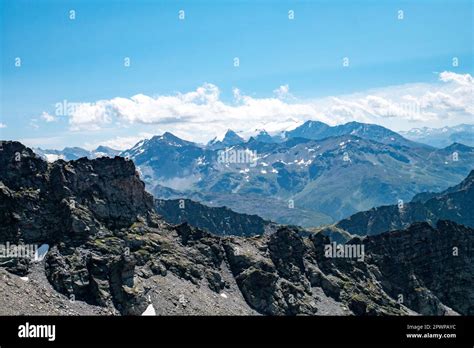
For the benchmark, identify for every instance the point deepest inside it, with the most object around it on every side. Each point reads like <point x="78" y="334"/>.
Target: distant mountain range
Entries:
<point x="442" y="137"/>
<point x="314" y="175"/>
<point x="73" y="153"/>
<point x="316" y="130"/>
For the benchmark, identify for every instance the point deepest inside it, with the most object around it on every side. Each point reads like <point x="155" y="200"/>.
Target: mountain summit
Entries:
<point x="316" y="130"/>
<point x="310" y="130"/>
<point x="231" y="138"/>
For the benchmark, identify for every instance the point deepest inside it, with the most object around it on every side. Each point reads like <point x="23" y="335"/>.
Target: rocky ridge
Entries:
<point x="217" y="220"/>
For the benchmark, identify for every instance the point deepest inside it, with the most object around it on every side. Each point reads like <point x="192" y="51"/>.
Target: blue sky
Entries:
<point x="82" y="60"/>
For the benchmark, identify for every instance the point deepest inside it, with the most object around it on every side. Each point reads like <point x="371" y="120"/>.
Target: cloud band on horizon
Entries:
<point x="201" y="114"/>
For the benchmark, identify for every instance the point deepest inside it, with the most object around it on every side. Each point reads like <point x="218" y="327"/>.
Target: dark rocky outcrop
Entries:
<point x="429" y="266"/>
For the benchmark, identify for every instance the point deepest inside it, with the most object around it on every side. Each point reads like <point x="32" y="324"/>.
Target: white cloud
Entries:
<point x="3" y="125"/>
<point x="461" y="79"/>
<point x="201" y="114"/>
<point x="283" y="92"/>
<point x="92" y="116"/>
<point x="395" y="106"/>
<point x="119" y="143"/>
<point x="48" y="117"/>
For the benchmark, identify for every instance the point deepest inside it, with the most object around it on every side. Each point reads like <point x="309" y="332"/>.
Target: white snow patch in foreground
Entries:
<point x="24" y="278"/>
<point x="41" y="252"/>
<point x="223" y="295"/>
<point x="150" y="310"/>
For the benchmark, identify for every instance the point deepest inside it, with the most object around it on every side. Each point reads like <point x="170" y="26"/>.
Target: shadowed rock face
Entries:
<point x="109" y="248"/>
<point x="427" y="266"/>
<point x="217" y="220"/>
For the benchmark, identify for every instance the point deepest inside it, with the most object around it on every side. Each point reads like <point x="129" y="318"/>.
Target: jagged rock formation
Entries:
<point x="109" y="248"/>
<point x="34" y="295"/>
<point x="428" y="266"/>
<point x="455" y="204"/>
